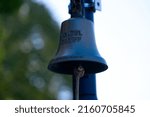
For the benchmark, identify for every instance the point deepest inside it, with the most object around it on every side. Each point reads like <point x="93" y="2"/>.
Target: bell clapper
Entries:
<point x="78" y="73"/>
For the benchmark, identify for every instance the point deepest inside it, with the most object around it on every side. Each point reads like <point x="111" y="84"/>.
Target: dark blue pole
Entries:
<point x="89" y="14"/>
<point x="87" y="86"/>
<point x="87" y="90"/>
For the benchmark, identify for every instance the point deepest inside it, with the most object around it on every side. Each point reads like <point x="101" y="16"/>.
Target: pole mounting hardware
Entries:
<point x="97" y="5"/>
<point x="77" y="7"/>
<point x="94" y="5"/>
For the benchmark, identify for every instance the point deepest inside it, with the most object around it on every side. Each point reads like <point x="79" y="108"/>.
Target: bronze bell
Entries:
<point x="77" y="47"/>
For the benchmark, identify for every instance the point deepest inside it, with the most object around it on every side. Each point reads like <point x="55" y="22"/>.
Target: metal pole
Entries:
<point x="87" y="84"/>
<point x="87" y="89"/>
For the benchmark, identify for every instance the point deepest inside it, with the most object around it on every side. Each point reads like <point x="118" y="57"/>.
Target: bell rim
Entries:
<point x="66" y="66"/>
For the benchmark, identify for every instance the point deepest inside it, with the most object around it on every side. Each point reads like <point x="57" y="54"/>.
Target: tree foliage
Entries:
<point x="28" y="40"/>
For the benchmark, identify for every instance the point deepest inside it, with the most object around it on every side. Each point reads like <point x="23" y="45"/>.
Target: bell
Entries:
<point x="77" y="47"/>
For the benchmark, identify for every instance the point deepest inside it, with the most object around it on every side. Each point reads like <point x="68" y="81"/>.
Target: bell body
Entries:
<point x="77" y="47"/>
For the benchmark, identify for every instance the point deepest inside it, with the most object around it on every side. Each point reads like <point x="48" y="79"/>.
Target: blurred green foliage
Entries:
<point x="28" y="40"/>
<point x="9" y="6"/>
